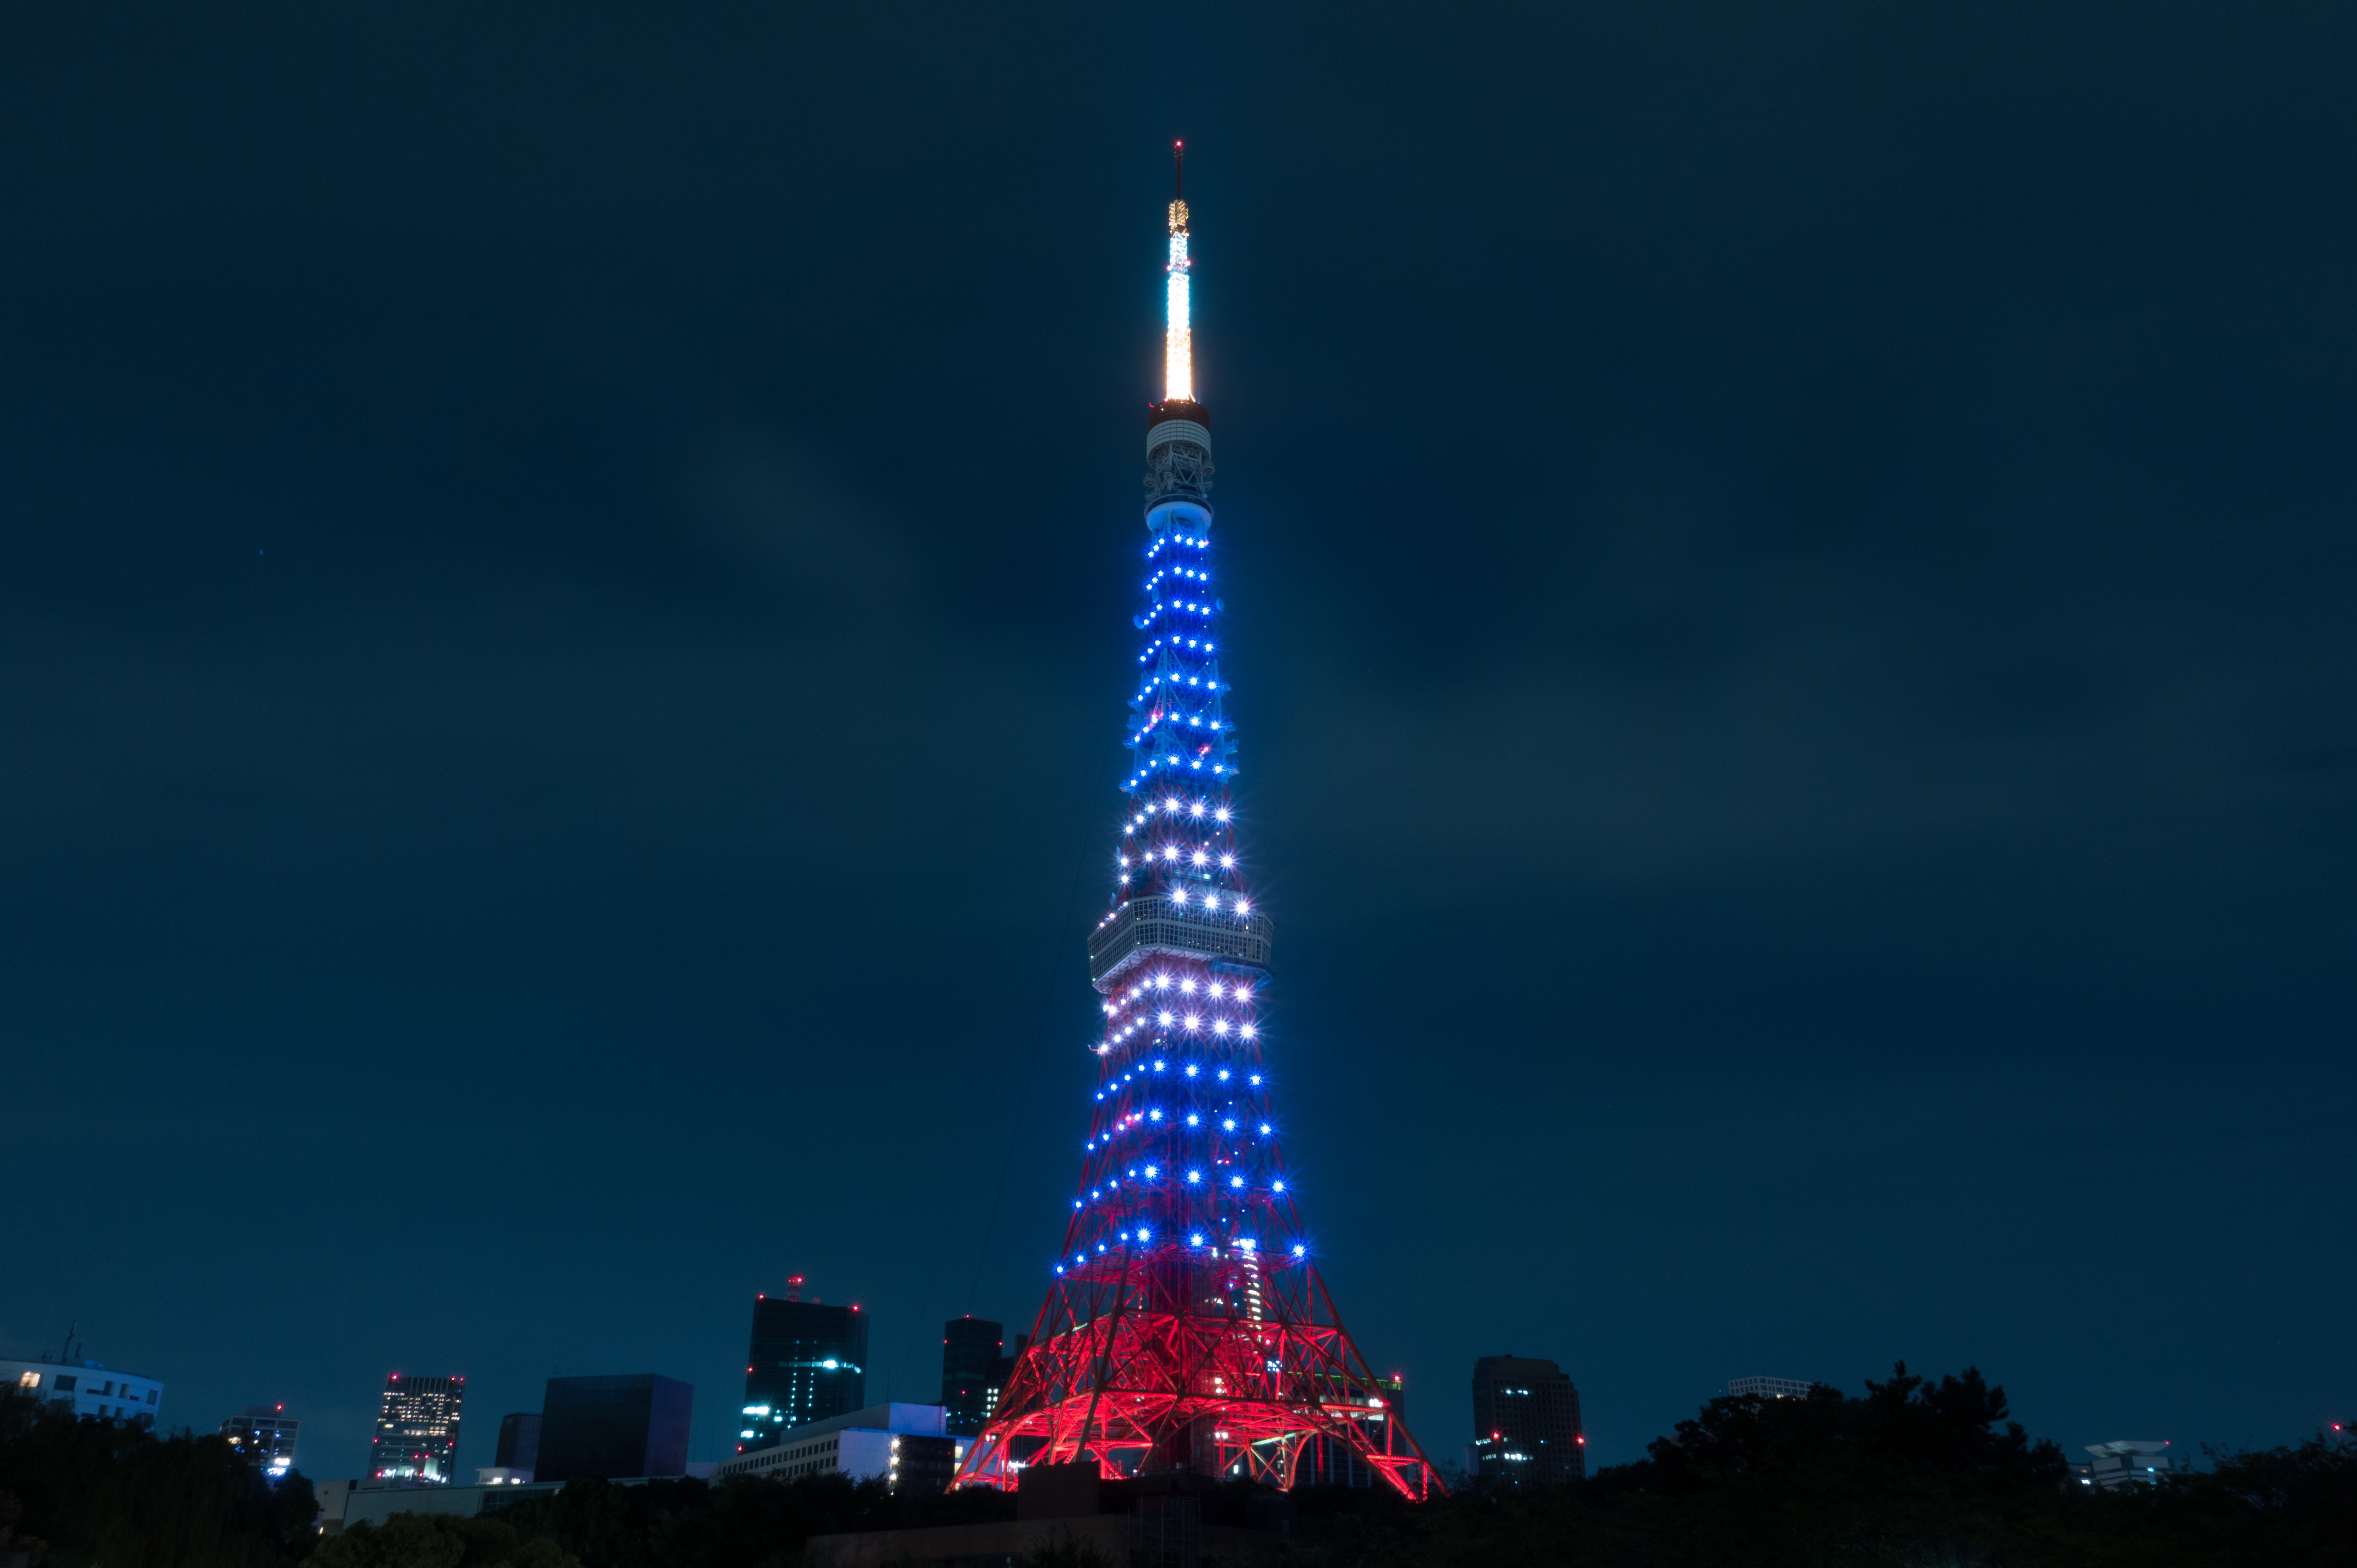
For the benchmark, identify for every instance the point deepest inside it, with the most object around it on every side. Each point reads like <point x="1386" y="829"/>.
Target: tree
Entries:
<point x="440" y="1540"/>
<point x="99" y="1493"/>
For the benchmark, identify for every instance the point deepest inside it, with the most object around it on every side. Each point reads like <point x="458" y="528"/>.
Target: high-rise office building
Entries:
<point x="265" y="1434"/>
<point x="975" y="1370"/>
<point x="417" y="1431"/>
<point x="807" y="1362"/>
<point x="970" y="1354"/>
<point x="1525" y="1422"/>
<point x="616" y="1428"/>
<point x="1770" y="1388"/>
<point x="519" y="1449"/>
<point x="1002" y="1373"/>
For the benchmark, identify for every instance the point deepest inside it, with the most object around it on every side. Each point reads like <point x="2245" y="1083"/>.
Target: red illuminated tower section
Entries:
<point x="1187" y="1328"/>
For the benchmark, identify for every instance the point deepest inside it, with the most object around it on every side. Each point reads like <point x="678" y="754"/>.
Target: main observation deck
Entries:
<point x="1156" y="923"/>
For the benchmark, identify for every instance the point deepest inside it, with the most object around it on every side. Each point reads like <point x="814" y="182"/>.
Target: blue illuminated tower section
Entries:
<point x="1186" y="1328"/>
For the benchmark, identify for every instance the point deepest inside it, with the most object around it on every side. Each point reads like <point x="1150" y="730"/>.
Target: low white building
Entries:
<point x="346" y="1503"/>
<point x="897" y="1444"/>
<point x="89" y="1388"/>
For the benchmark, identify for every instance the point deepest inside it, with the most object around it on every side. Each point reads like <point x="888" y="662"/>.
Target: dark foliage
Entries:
<point x="438" y="1540"/>
<point x="1913" y="1475"/>
<point x="739" y="1523"/>
<point x="91" y="1492"/>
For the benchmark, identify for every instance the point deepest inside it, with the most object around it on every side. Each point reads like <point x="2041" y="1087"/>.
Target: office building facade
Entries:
<point x="907" y="1447"/>
<point x="975" y="1370"/>
<point x="90" y="1390"/>
<point x="1325" y="1462"/>
<point x="970" y="1353"/>
<point x="416" y="1441"/>
<point x="518" y="1453"/>
<point x="1770" y="1388"/>
<point x="2130" y="1462"/>
<point x="807" y="1362"/>
<point x="628" y="1425"/>
<point x="1525" y="1424"/>
<point x="265" y="1434"/>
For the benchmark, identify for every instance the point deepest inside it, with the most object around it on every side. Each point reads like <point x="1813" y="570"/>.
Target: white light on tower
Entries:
<point x="1178" y="373"/>
<point x="1178" y="346"/>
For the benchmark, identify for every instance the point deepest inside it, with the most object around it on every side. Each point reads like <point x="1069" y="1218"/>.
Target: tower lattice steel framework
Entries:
<point x="1188" y="1328"/>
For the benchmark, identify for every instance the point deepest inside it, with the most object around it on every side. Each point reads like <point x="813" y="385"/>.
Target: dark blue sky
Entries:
<point x="566" y="591"/>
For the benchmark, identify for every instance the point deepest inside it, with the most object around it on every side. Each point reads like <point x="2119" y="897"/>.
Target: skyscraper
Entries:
<point x="807" y="1362"/>
<point x="1185" y="1327"/>
<point x="630" y="1424"/>
<point x="971" y="1349"/>
<point x="519" y="1446"/>
<point x="975" y="1367"/>
<point x="417" y="1430"/>
<point x="1525" y="1422"/>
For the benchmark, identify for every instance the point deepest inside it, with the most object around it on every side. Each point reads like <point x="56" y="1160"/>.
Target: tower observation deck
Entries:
<point x="1186" y="1326"/>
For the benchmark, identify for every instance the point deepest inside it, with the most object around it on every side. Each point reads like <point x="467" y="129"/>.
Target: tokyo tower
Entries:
<point x="1187" y="1328"/>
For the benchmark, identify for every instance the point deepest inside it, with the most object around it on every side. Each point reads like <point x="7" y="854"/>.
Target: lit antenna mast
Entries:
<point x="1178" y="350"/>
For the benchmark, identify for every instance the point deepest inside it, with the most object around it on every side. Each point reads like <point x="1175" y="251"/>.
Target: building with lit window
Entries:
<point x="1770" y="1388"/>
<point x="635" y="1423"/>
<point x="2131" y="1462"/>
<point x="416" y="1441"/>
<point x="807" y="1362"/>
<point x="89" y="1389"/>
<point x="265" y="1434"/>
<point x="517" y="1452"/>
<point x="1525" y="1424"/>
<point x="1325" y="1462"/>
<point x="974" y="1373"/>
<point x="907" y="1447"/>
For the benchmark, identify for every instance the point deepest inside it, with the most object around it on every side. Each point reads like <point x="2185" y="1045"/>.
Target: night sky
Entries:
<point x="565" y="598"/>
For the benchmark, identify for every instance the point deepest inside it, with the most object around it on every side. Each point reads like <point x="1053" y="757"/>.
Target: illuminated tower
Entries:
<point x="1187" y="1328"/>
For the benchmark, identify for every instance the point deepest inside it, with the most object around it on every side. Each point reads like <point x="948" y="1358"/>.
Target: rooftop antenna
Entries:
<point x="67" y="1353"/>
<point x="1179" y="170"/>
<point x="793" y="1287"/>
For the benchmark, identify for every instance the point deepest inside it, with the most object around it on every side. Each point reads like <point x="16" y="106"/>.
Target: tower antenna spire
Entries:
<point x="1179" y="342"/>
